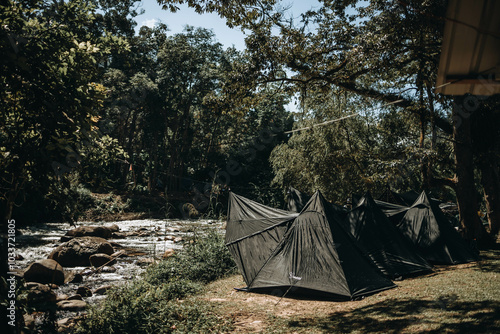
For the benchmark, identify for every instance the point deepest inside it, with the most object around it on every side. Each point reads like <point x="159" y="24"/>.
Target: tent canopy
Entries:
<point x="253" y="231"/>
<point x="427" y="227"/>
<point x="393" y="212"/>
<point x="296" y="200"/>
<point x="393" y="253"/>
<point x="317" y="255"/>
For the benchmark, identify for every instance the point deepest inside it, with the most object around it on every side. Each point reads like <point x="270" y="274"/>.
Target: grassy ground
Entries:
<point x="453" y="299"/>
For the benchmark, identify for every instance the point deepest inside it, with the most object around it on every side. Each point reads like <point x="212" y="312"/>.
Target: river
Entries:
<point x="151" y="239"/>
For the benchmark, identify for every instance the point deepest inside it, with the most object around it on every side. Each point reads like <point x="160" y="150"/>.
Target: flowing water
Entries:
<point x="150" y="240"/>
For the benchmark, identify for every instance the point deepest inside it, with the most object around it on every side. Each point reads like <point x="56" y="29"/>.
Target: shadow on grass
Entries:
<point x="490" y="261"/>
<point x="444" y="315"/>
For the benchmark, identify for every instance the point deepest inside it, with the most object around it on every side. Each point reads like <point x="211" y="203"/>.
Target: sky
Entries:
<point x="176" y="22"/>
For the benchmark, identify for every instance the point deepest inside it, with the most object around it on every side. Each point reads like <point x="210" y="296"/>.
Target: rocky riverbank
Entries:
<point x="67" y="269"/>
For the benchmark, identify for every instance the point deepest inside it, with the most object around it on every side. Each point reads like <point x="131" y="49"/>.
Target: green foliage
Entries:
<point x="99" y="162"/>
<point x="205" y="260"/>
<point x="49" y="68"/>
<point x="340" y="58"/>
<point x="140" y="307"/>
<point x="365" y="152"/>
<point x="87" y="97"/>
<point x="151" y="304"/>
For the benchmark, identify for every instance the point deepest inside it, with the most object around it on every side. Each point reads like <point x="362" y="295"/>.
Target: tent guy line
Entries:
<point x="341" y="118"/>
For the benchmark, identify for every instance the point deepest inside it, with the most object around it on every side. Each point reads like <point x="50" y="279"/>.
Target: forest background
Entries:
<point x="99" y="117"/>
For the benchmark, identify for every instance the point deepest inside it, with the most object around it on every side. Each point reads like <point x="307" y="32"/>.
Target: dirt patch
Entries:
<point x="247" y="323"/>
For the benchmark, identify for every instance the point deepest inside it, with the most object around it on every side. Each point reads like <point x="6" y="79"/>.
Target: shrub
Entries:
<point x="206" y="260"/>
<point x="151" y="305"/>
<point x="143" y="308"/>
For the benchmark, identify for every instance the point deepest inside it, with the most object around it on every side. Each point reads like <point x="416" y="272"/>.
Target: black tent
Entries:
<point x="393" y="253"/>
<point x="392" y="211"/>
<point x="253" y="231"/>
<point x="410" y="197"/>
<point x="406" y="198"/>
<point x="296" y="200"/>
<point x="389" y="196"/>
<point x="317" y="256"/>
<point x="438" y="241"/>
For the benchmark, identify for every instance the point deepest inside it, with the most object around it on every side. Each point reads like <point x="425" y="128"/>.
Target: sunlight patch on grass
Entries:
<point x="454" y="299"/>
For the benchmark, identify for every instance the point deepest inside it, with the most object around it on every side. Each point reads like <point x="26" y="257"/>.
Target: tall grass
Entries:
<point x="154" y="302"/>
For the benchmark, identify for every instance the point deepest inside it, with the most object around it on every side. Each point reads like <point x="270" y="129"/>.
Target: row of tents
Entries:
<point x="322" y="249"/>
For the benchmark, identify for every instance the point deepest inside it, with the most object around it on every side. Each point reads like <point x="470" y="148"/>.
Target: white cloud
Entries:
<point x="150" y="23"/>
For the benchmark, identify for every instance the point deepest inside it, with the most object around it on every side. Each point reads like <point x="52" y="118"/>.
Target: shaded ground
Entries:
<point x="453" y="299"/>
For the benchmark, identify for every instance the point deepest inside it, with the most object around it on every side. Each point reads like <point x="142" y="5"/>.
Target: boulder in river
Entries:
<point x="168" y="253"/>
<point x="108" y="269"/>
<point x="91" y="231"/>
<point x="84" y="291"/>
<point x="62" y="297"/>
<point x="119" y="235"/>
<point x="77" y="251"/>
<point x="45" y="271"/>
<point x="102" y="290"/>
<point x="29" y="322"/>
<point x="39" y="295"/>
<point x="73" y="277"/>
<point x="75" y="297"/>
<point x="114" y="228"/>
<point x="72" y="305"/>
<point x="98" y="260"/>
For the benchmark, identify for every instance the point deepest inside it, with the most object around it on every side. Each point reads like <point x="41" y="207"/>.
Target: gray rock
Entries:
<point x="77" y="251"/>
<point x="72" y="305"/>
<point x="61" y="297"/>
<point x="119" y="235"/>
<point x="102" y="290"/>
<point x="75" y="297"/>
<point x="39" y="295"/>
<point x="45" y="271"/>
<point x="29" y="321"/>
<point x="168" y="253"/>
<point x="90" y="231"/>
<point x="72" y="277"/>
<point x="84" y="291"/>
<point x="108" y="269"/>
<point x="98" y="260"/>
<point x="114" y="228"/>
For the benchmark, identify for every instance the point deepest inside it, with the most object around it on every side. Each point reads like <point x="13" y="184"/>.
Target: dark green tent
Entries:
<point x="438" y="241"/>
<point x="253" y="231"/>
<point x="392" y="211"/>
<point x="405" y="199"/>
<point x="318" y="257"/>
<point x="389" y="196"/>
<point x="295" y="200"/>
<point x="409" y="197"/>
<point x="381" y="240"/>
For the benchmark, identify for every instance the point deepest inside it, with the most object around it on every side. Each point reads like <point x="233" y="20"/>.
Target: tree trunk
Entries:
<point x="465" y="188"/>
<point x="490" y="180"/>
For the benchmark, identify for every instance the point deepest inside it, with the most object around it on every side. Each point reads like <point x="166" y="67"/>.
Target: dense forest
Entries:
<point x="92" y="104"/>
